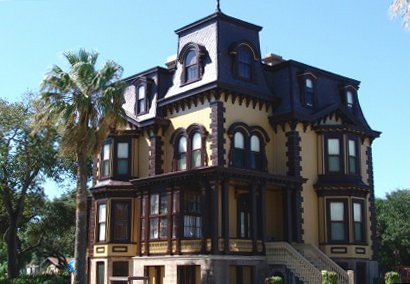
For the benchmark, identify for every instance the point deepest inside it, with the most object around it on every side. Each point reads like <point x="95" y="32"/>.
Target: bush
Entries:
<point x="392" y="277"/>
<point x="329" y="277"/>
<point x="274" y="280"/>
<point x="39" y="279"/>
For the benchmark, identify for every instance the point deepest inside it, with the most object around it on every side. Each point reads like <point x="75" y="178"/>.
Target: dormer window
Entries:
<point x="191" y="66"/>
<point x="349" y="100"/>
<point x="244" y="63"/>
<point x="307" y="85"/>
<point x="141" y="99"/>
<point x="309" y="93"/>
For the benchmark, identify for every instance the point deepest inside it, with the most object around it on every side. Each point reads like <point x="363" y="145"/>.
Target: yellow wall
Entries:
<point x="143" y="155"/>
<point x="274" y="215"/>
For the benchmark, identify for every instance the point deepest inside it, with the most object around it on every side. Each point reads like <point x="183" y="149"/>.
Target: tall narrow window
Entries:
<point x="244" y="216"/>
<point x="352" y="163"/>
<point x="337" y="224"/>
<point x="358" y="223"/>
<point x="349" y="100"/>
<point x="191" y="66"/>
<point x="255" y="154"/>
<point x="141" y="100"/>
<point x="238" y="152"/>
<point x="105" y="160"/>
<point x="192" y="215"/>
<point x="102" y="222"/>
<point x="181" y="154"/>
<point x="333" y="155"/>
<point x="309" y="93"/>
<point x="196" y="150"/>
<point x="123" y="158"/>
<point x="120" y="219"/>
<point x="158" y="216"/>
<point x="244" y="63"/>
<point x="100" y="272"/>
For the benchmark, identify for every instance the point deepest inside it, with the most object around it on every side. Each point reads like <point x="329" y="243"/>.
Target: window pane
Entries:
<point x="336" y="211"/>
<point x="182" y="162"/>
<point x="196" y="158"/>
<point x="196" y="141"/>
<point x="102" y="212"/>
<point x="120" y="268"/>
<point x="141" y="105"/>
<point x="352" y="165"/>
<point x="352" y="148"/>
<point x="106" y="152"/>
<point x="141" y="92"/>
<point x="153" y="228"/>
<point x="174" y="227"/>
<point x="182" y="145"/>
<point x="358" y="232"/>
<point x="239" y="141"/>
<point x="357" y="212"/>
<point x="255" y="161"/>
<point x="164" y="203"/>
<point x="244" y="70"/>
<point x="122" y="150"/>
<point x="163" y="227"/>
<point x="191" y="73"/>
<point x="244" y="55"/>
<point x="122" y="167"/>
<point x="143" y="229"/>
<point x="154" y="204"/>
<point x="121" y="215"/>
<point x="337" y="231"/>
<point x="100" y="273"/>
<point x="309" y="83"/>
<point x="333" y="146"/>
<point x="101" y="232"/>
<point x="334" y="163"/>
<point x="349" y="98"/>
<point x="255" y="144"/>
<point x="190" y="58"/>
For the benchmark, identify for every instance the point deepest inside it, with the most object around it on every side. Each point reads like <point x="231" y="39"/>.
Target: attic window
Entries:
<point x="244" y="63"/>
<point x="191" y="58"/>
<point x="307" y="86"/>
<point x="309" y="93"/>
<point x="191" y="66"/>
<point x="141" y="99"/>
<point x="349" y="100"/>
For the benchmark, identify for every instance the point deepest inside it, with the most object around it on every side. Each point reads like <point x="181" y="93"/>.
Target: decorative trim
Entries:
<point x="360" y="250"/>
<point x="155" y="158"/>
<point x="119" y="249"/>
<point x="338" y="250"/>
<point x="293" y="153"/>
<point x="100" y="249"/>
<point x="217" y="133"/>
<point x="372" y="205"/>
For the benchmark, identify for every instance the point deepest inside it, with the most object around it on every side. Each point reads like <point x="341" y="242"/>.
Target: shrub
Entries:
<point x="392" y="277"/>
<point x="274" y="280"/>
<point x="329" y="277"/>
<point x="38" y="279"/>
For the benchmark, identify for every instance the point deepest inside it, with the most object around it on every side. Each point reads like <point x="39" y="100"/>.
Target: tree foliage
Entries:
<point x="401" y="8"/>
<point x="26" y="157"/>
<point x="393" y="230"/>
<point x="85" y="104"/>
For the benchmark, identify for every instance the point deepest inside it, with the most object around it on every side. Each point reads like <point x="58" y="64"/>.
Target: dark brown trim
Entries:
<point x="156" y="156"/>
<point x="225" y="214"/>
<point x="217" y="133"/>
<point x="372" y="205"/>
<point x="214" y="186"/>
<point x="293" y="153"/>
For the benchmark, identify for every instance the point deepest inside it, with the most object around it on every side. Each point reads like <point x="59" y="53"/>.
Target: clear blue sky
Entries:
<point x="352" y="38"/>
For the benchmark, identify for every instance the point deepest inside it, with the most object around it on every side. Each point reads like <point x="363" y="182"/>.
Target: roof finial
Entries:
<point x="218" y="6"/>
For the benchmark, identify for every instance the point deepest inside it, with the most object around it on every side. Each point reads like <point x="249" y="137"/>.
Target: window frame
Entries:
<point x="245" y="208"/>
<point x="239" y="153"/>
<point x="362" y="223"/>
<point x="235" y="51"/>
<point x="144" y="100"/>
<point x="106" y="161"/>
<point x="196" y="214"/>
<point x="356" y="157"/>
<point x="117" y="141"/>
<point x="114" y="221"/>
<point x="308" y="95"/>
<point x="200" y="53"/>
<point x="242" y="63"/>
<point x="159" y="216"/>
<point x="340" y="155"/>
<point x="344" y="222"/>
<point x="98" y="227"/>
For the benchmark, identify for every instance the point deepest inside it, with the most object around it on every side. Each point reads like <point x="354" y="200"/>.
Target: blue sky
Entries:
<point x="353" y="38"/>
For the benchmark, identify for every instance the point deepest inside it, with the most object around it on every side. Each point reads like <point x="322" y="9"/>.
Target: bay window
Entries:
<point x="192" y="215"/>
<point x="358" y="221"/>
<point x="120" y="220"/>
<point x="352" y="156"/>
<point x="333" y="155"/>
<point x="158" y="216"/>
<point x="122" y="158"/>
<point x="337" y="221"/>
<point x="101" y="221"/>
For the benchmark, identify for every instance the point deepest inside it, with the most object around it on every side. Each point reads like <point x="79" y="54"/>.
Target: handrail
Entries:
<point x="282" y="253"/>
<point x="322" y="261"/>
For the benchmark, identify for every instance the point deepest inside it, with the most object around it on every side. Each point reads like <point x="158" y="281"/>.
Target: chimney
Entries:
<point x="272" y="59"/>
<point x="171" y="62"/>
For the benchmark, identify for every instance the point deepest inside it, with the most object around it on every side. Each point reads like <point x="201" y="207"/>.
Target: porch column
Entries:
<point x="205" y="202"/>
<point x="262" y="218"/>
<point x="225" y="214"/>
<point x="287" y="216"/>
<point x="169" y="219"/>
<point x="214" y="217"/>
<point x="254" y="216"/>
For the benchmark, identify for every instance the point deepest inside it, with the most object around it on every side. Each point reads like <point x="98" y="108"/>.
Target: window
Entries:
<point x="244" y="63"/>
<point x="349" y="100"/>
<point x="333" y="155"/>
<point x="358" y="224"/>
<point x="105" y="159"/>
<point x="337" y="225"/>
<point x="158" y="216"/>
<point x="155" y="274"/>
<point x="352" y="157"/>
<point x="102" y="222"/>
<point x="122" y="161"/>
<point x="181" y="154"/>
<point x="191" y="66"/>
<point x="120" y="220"/>
<point x="187" y="274"/>
<point x="100" y="267"/>
<point x="196" y="150"/>
<point x="141" y="99"/>
<point x="309" y="93"/>
<point x="120" y="268"/>
<point x="244" y="216"/>
<point x="256" y="157"/>
<point x="192" y="215"/>
<point x="241" y="274"/>
<point x="238" y="153"/>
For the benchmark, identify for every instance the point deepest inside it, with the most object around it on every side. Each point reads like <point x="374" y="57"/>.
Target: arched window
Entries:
<point x="244" y="63"/>
<point x="191" y="66"/>
<point x="181" y="154"/>
<point x="196" y="150"/>
<point x="255" y="154"/>
<point x="238" y="153"/>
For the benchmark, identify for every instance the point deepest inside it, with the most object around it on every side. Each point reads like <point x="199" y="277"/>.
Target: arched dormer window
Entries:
<point x="238" y="152"/>
<point x="140" y="90"/>
<point x="307" y="83"/>
<point x="248" y="146"/>
<point x="191" y="57"/>
<point x="181" y="154"/>
<point x="141" y="99"/>
<point x="189" y="147"/>
<point x="244" y="57"/>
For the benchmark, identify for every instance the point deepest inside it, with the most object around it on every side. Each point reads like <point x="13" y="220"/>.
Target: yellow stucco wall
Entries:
<point x="274" y="215"/>
<point x="143" y="155"/>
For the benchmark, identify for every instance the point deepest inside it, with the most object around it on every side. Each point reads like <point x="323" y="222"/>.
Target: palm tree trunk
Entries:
<point x="81" y="221"/>
<point x="13" y="263"/>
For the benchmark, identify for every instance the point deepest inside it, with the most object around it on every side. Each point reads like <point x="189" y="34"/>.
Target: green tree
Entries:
<point x="401" y="8"/>
<point x="393" y="230"/>
<point x="26" y="157"/>
<point x="86" y="104"/>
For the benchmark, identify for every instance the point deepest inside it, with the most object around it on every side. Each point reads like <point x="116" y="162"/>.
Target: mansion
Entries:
<point x="234" y="167"/>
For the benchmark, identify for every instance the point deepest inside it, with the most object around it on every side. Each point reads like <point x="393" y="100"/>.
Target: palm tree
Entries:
<point x="401" y="8"/>
<point x="86" y="104"/>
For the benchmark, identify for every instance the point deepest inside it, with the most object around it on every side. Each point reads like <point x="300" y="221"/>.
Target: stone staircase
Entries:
<point x="305" y="261"/>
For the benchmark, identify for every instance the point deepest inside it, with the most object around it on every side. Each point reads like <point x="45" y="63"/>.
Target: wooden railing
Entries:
<point x="322" y="261"/>
<point x="282" y="253"/>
